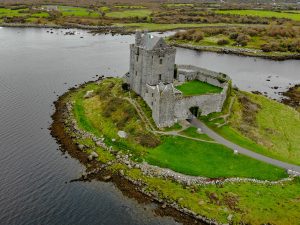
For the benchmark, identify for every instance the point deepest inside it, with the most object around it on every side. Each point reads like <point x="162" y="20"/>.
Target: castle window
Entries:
<point x="136" y="73"/>
<point x="160" y="61"/>
<point x="137" y="58"/>
<point x="152" y="95"/>
<point x="152" y="103"/>
<point x="159" y="77"/>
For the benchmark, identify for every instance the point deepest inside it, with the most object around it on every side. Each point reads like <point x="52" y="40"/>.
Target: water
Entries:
<point x="36" y="67"/>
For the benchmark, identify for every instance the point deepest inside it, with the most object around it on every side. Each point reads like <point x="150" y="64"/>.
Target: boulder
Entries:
<point x="122" y="134"/>
<point x="89" y="94"/>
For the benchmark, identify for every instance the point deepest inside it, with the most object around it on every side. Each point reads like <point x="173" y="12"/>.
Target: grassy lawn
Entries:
<point x="77" y="11"/>
<point x="274" y="130"/>
<point x="262" y="13"/>
<point x="197" y="87"/>
<point x="249" y="203"/>
<point x="106" y="113"/>
<point x="163" y="27"/>
<point x="209" y="160"/>
<point x="130" y="13"/>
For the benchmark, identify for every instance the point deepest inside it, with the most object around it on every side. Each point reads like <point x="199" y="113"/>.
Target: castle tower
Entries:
<point x="151" y="62"/>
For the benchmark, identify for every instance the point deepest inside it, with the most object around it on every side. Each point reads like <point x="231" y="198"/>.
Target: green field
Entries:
<point x="77" y="11"/>
<point x="129" y="7"/>
<point x="106" y="115"/>
<point x="249" y="203"/>
<point x="178" y="5"/>
<point x="12" y="12"/>
<point x="273" y="130"/>
<point x="210" y="160"/>
<point x="197" y="87"/>
<point x="130" y="13"/>
<point x="262" y="13"/>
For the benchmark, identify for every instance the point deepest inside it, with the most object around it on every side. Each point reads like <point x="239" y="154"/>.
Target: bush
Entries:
<point x="223" y="42"/>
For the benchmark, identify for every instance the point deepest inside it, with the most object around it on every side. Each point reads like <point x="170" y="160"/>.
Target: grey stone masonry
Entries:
<point x="152" y="76"/>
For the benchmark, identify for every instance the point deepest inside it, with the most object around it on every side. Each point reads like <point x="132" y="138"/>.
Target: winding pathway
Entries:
<point x="195" y="122"/>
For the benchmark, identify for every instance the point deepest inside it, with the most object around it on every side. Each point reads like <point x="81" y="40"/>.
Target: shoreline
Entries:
<point x="238" y="52"/>
<point x="96" y="170"/>
<point x="124" y="31"/>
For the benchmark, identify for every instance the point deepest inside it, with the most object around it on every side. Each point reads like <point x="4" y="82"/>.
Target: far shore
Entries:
<point x="121" y="30"/>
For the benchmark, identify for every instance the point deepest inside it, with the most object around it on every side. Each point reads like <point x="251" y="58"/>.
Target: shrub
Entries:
<point x="223" y="42"/>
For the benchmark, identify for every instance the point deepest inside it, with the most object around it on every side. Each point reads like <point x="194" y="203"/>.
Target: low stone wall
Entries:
<point x="189" y="72"/>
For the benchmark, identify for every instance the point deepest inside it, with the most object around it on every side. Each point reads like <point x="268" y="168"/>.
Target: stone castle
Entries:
<point x="153" y="75"/>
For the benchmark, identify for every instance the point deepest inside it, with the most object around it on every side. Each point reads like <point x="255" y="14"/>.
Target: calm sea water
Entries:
<point x="36" y="67"/>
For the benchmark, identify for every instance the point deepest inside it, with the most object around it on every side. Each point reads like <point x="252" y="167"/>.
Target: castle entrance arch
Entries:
<point x="195" y="110"/>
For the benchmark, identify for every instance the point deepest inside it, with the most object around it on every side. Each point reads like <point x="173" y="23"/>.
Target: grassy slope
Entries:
<point x="276" y="133"/>
<point x="209" y="160"/>
<point x="254" y="204"/>
<point x="206" y="157"/>
<point x="197" y="87"/>
<point x="77" y="11"/>
<point x="262" y="13"/>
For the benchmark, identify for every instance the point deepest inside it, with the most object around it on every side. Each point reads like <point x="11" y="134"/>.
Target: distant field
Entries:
<point x="11" y="12"/>
<point x="293" y="15"/>
<point x="162" y="27"/>
<point x="77" y="11"/>
<point x="129" y="7"/>
<point x="130" y="13"/>
<point x="172" y="5"/>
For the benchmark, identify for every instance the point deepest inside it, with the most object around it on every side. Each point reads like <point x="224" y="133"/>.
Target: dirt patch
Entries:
<point x="249" y="110"/>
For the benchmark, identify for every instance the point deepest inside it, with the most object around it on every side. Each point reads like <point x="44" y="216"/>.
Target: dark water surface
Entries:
<point x="35" y="67"/>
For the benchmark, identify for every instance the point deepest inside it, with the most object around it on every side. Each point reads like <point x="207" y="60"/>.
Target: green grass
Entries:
<point x="196" y="87"/>
<point x="181" y="154"/>
<point x="77" y="11"/>
<point x="210" y="160"/>
<point x="163" y="27"/>
<point x="275" y="134"/>
<point x="192" y="132"/>
<point x="104" y="9"/>
<point x="4" y="12"/>
<point x="130" y="13"/>
<point x="261" y="13"/>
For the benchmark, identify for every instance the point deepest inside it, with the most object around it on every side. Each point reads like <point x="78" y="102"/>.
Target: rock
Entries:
<point x="113" y="140"/>
<point x="122" y="134"/>
<point x="199" y="130"/>
<point x="164" y="206"/>
<point x="93" y="155"/>
<point x="89" y="94"/>
<point x="107" y="178"/>
<point x="229" y="217"/>
<point x="81" y="147"/>
<point x="122" y="172"/>
<point x="236" y="152"/>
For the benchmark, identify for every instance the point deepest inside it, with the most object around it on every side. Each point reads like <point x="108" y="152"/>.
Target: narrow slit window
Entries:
<point x="159" y="77"/>
<point x="160" y="61"/>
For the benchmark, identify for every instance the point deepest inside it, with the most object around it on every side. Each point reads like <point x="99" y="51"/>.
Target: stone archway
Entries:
<point x="195" y="110"/>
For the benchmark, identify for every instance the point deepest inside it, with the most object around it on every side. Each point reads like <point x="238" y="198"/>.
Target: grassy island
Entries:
<point x="110" y="109"/>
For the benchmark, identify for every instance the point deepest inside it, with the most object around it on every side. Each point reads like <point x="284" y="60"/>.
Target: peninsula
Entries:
<point x="183" y="137"/>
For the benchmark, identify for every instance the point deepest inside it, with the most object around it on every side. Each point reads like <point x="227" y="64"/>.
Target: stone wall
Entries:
<point x="207" y="103"/>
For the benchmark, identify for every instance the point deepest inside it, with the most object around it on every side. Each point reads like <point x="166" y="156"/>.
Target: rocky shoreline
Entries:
<point x="238" y="51"/>
<point x="292" y="97"/>
<point x="98" y="171"/>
